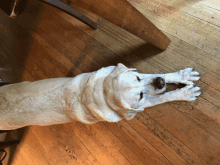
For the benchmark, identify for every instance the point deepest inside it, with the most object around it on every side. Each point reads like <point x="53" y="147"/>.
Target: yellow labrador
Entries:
<point x="109" y="94"/>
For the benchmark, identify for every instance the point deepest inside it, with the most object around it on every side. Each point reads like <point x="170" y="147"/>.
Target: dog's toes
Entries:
<point x="190" y="83"/>
<point x="197" y="93"/>
<point x="192" y="98"/>
<point x="195" y="73"/>
<point x="189" y="86"/>
<point x="194" y="78"/>
<point x="188" y="69"/>
<point x="195" y="89"/>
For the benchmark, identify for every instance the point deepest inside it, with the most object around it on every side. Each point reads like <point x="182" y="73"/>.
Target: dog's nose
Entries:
<point x="159" y="83"/>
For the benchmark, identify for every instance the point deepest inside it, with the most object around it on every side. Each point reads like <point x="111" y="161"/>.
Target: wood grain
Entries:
<point x="44" y="42"/>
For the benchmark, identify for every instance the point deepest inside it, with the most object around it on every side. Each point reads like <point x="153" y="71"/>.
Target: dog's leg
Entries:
<point x="185" y="76"/>
<point x="187" y="93"/>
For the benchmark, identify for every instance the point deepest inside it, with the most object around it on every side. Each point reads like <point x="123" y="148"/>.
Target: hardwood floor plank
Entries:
<point x="201" y="115"/>
<point x="197" y="55"/>
<point x="182" y="32"/>
<point x="204" y="145"/>
<point x="70" y="151"/>
<point x="26" y="76"/>
<point x="43" y="67"/>
<point x="53" y="154"/>
<point x="162" y="140"/>
<point x="157" y="143"/>
<point x="110" y="137"/>
<point x="203" y="12"/>
<point x="84" y="133"/>
<point x="109" y="141"/>
<point x="32" y="146"/>
<point x="129" y="143"/>
<point x="185" y="12"/>
<point x="34" y="70"/>
<point x="141" y="141"/>
<point x="211" y="3"/>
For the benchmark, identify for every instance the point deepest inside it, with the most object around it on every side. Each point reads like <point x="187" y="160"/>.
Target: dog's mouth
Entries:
<point x="172" y="87"/>
<point x="162" y="87"/>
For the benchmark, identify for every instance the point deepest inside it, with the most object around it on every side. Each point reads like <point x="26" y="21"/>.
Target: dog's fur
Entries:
<point x="109" y="94"/>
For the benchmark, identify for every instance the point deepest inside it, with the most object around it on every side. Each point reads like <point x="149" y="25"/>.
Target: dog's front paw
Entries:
<point x="187" y="93"/>
<point x="186" y="76"/>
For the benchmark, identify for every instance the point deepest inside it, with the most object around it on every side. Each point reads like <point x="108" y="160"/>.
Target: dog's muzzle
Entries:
<point x="159" y="83"/>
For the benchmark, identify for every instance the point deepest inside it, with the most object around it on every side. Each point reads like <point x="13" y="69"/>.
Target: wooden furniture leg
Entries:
<point x="124" y="15"/>
<point x="15" y="7"/>
<point x="68" y="9"/>
<point x="12" y="7"/>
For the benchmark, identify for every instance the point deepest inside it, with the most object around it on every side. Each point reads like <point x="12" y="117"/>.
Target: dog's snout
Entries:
<point x="159" y="83"/>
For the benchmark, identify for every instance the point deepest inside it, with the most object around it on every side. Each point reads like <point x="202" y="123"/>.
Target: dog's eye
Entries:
<point x="141" y="95"/>
<point x="138" y="78"/>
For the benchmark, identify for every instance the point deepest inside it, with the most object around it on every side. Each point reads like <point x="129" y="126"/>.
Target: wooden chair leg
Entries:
<point x="68" y="9"/>
<point x="13" y="7"/>
<point x="124" y="15"/>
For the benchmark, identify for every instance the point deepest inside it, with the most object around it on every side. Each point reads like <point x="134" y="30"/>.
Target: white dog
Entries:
<point x="109" y="94"/>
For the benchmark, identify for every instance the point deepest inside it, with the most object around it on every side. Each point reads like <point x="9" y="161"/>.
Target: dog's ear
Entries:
<point x="120" y="65"/>
<point x="120" y="68"/>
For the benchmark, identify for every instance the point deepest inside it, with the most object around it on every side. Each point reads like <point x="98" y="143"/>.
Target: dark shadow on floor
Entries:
<point x="11" y="149"/>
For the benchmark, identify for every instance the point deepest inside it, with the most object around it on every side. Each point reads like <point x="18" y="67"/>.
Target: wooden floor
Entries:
<point x="44" y="42"/>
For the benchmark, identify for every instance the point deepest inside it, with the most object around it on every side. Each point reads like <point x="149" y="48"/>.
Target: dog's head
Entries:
<point x="127" y="90"/>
